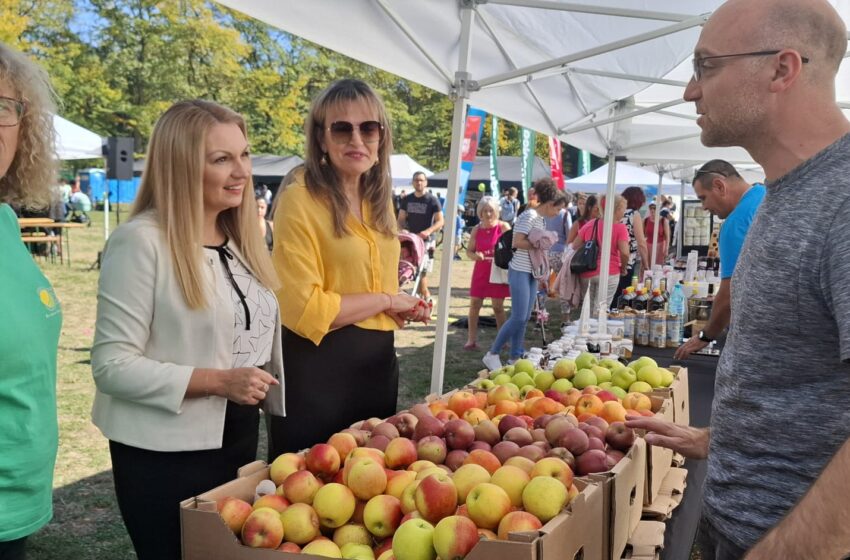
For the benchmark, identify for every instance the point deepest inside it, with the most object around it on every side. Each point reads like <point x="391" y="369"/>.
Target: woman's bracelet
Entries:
<point x="389" y="301"/>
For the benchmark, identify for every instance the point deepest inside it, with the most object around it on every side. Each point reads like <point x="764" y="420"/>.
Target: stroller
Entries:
<point x="413" y="261"/>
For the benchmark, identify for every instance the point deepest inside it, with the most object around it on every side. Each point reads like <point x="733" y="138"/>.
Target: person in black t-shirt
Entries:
<point x="420" y="212"/>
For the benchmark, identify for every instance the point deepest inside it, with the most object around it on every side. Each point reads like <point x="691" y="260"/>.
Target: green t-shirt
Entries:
<point x="30" y="321"/>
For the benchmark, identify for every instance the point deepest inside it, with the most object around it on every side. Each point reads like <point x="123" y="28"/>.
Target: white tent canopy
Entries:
<point x="402" y="168"/>
<point x="74" y="141"/>
<point x="581" y="72"/>
<point x="628" y="175"/>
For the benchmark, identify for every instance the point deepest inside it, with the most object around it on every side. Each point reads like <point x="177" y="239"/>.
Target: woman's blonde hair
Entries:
<point x="320" y="176"/>
<point x="619" y="202"/>
<point x="487" y="201"/>
<point x="173" y="186"/>
<point x="32" y="173"/>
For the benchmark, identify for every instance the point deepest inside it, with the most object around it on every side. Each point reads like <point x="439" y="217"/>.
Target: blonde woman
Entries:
<point x="482" y="242"/>
<point x="31" y="315"/>
<point x="187" y="340"/>
<point x="337" y="253"/>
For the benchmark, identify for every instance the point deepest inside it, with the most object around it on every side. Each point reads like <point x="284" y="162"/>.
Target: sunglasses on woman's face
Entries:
<point x="342" y="131"/>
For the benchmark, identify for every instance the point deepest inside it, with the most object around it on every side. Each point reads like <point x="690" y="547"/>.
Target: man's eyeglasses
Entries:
<point x="699" y="61"/>
<point x="342" y="131"/>
<point x="11" y="111"/>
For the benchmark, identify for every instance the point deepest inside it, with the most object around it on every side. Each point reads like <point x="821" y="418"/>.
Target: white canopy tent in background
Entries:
<point x="402" y="168"/>
<point x="580" y="72"/>
<point x="628" y="175"/>
<point x="74" y="141"/>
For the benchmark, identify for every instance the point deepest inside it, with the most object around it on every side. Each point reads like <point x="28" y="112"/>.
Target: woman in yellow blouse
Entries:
<point x="336" y="253"/>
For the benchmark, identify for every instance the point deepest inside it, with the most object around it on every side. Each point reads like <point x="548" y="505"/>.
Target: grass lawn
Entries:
<point x="86" y="523"/>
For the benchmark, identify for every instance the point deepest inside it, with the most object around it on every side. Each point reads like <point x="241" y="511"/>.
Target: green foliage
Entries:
<point x="121" y="63"/>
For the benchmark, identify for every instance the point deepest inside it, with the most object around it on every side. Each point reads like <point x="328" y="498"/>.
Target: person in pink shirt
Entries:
<point x="618" y="265"/>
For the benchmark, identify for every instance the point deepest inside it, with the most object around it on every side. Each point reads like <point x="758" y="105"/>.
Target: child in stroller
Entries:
<point x="412" y="261"/>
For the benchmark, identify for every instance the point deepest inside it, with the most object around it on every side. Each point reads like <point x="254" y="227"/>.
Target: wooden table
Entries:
<point x="47" y="223"/>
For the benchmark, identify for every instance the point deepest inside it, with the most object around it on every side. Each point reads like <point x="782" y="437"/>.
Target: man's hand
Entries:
<point x="690" y="442"/>
<point x="424" y="234"/>
<point x="694" y="344"/>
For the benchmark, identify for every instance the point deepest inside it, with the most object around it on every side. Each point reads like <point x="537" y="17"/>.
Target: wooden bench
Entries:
<point x="53" y="241"/>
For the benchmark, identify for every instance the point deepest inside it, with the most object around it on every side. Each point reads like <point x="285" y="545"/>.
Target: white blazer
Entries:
<point x="147" y="342"/>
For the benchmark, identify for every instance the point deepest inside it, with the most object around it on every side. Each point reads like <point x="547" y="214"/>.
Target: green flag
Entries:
<point x="527" y="140"/>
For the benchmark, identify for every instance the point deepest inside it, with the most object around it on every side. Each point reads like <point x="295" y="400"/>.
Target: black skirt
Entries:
<point x="150" y="485"/>
<point x="351" y="375"/>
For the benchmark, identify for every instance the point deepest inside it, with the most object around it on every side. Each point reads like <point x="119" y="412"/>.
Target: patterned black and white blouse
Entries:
<point x="633" y="247"/>
<point x="255" y="309"/>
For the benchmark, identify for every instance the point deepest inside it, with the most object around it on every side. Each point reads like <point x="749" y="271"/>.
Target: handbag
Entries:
<point x="586" y="257"/>
<point x="498" y="275"/>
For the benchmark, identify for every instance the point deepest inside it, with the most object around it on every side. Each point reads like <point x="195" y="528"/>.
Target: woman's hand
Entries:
<point x="247" y="385"/>
<point x="403" y="307"/>
<point x="478" y="256"/>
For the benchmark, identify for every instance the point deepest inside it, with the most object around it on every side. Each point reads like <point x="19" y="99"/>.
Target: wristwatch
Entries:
<point x="704" y="337"/>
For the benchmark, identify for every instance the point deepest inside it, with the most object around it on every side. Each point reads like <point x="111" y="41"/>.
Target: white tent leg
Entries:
<point x="601" y="302"/>
<point x="679" y="232"/>
<point x="106" y="211"/>
<point x="458" y="120"/>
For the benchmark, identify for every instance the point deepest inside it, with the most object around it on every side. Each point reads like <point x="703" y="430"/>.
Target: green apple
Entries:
<point x="485" y="384"/>
<point x="524" y="365"/>
<point x="606" y="385"/>
<point x="414" y="540"/>
<point x="624" y="378"/>
<point x="510" y="369"/>
<point x="585" y="360"/>
<point x="564" y="369"/>
<point x="651" y="375"/>
<point x="561" y="385"/>
<point x="610" y="363"/>
<point x="584" y="378"/>
<point x="640" y="387"/>
<point x="666" y="377"/>
<point x="521" y="379"/>
<point x="355" y="551"/>
<point x="602" y="374"/>
<point x="523" y="393"/>
<point x="502" y="378"/>
<point x="544" y="380"/>
<point x="619" y="392"/>
<point x="642" y="362"/>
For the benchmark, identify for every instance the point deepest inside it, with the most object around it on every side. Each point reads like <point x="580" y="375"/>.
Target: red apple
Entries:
<point x="428" y="426"/>
<point x="378" y="442"/>
<point x="263" y="529"/>
<point x="487" y="432"/>
<point x="557" y="427"/>
<point x="385" y="429"/>
<point x="531" y="452"/>
<point x="436" y="497"/>
<point x="591" y="431"/>
<point x="620" y="437"/>
<point x="504" y="450"/>
<point x="607" y="396"/>
<point x="509" y="421"/>
<point x="592" y="461"/>
<point x="595" y="443"/>
<point x="564" y="455"/>
<point x="574" y="440"/>
<point x="323" y="460"/>
<point x="455" y="458"/>
<point x="520" y="436"/>
<point x="479" y="445"/>
<point x="459" y="434"/>
<point x="405" y="423"/>
<point x="400" y="453"/>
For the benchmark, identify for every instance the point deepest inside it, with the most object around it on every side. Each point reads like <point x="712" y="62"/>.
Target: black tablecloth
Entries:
<point x="682" y="527"/>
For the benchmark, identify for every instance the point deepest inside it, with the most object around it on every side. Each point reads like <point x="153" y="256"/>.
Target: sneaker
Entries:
<point x="492" y="361"/>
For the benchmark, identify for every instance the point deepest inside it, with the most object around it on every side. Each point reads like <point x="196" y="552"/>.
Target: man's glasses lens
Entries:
<point x="11" y="111"/>
<point x="342" y="131"/>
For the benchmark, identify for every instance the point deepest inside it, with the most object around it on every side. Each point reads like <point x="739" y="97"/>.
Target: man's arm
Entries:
<point x="721" y="311"/>
<point x="437" y="222"/>
<point x="819" y="525"/>
<point x="687" y="440"/>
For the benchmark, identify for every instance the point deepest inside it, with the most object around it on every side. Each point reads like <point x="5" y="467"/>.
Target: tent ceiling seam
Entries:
<point x="410" y="35"/>
<point x="623" y="116"/>
<point x="594" y="10"/>
<point x="583" y="105"/>
<point x="661" y="141"/>
<point x="595" y="51"/>
<point x="622" y="76"/>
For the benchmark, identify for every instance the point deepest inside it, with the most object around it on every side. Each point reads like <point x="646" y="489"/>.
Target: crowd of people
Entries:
<point x="199" y="326"/>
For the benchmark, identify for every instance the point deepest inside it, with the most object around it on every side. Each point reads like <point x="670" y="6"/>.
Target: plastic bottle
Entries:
<point x="641" y="300"/>
<point x="675" y="316"/>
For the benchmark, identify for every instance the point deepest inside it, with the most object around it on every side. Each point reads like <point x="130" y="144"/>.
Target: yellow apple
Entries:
<point x="334" y="504"/>
<point x="512" y="480"/>
<point x="300" y="523"/>
<point x="544" y="497"/>
<point x="487" y="505"/>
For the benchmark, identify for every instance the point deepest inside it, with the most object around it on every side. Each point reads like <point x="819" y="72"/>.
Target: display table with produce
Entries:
<point x="521" y="464"/>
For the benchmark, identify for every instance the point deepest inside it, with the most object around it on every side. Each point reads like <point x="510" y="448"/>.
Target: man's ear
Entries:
<point x="719" y="184"/>
<point x="787" y="68"/>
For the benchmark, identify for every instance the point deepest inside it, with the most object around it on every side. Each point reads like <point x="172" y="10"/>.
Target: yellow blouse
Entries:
<point x="316" y="268"/>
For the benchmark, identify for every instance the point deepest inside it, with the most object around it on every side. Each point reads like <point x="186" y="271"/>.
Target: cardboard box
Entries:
<point x="659" y="460"/>
<point x="623" y="490"/>
<point x="678" y="392"/>
<point x="669" y="496"/>
<point x="646" y="542"/>
<point x="578" y="532"/>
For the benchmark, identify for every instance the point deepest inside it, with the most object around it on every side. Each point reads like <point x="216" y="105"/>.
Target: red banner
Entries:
<point x="555" y="162"/>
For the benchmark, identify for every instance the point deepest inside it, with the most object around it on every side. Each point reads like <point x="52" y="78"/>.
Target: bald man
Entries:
<point x="778" y="453"/>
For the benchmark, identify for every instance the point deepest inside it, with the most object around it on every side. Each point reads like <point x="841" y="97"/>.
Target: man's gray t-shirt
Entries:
<point x="782" y="393"/>
<point x="420" y="211"/>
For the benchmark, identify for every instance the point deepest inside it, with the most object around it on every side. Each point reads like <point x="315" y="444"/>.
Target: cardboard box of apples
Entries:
<point x="483" y="474"/>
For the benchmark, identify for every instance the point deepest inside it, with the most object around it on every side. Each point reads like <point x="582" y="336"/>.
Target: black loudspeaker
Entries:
<point x="119" y="158"/>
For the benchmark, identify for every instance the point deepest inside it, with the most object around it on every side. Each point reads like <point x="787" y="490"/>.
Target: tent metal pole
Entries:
<point x="678" y="115"/>
<point x="656" y="225"/>
<point x="601" y="49"/>
<point x="587" y="9"/>
<point x="622" y="117"/>
<point x="458" y="120"/>
<point x="601" y="303"/>
<point x="402" y="25"/>
<point x="679" y="232"/>
<point x="584" y="108"/>
<point x="630" y="77"/>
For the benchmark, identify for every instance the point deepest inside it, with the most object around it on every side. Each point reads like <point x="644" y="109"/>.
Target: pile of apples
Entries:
<point x="434" y="480"/>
